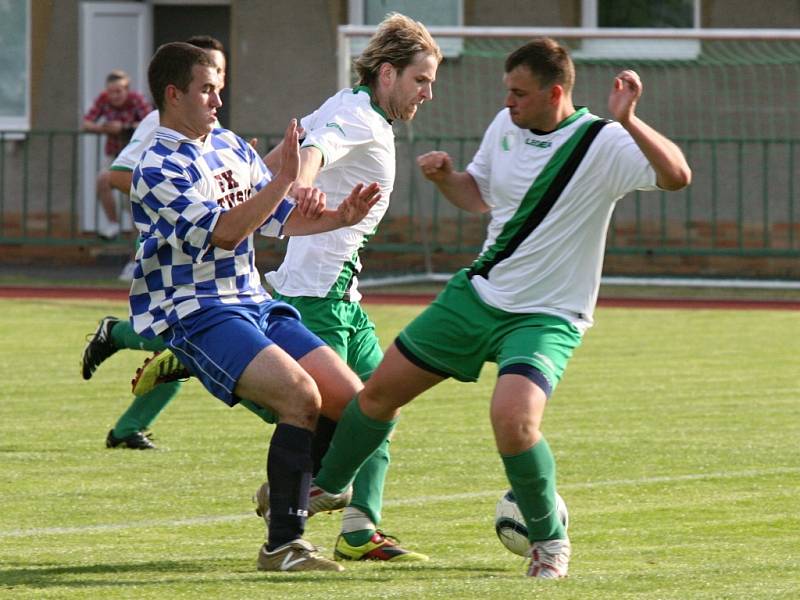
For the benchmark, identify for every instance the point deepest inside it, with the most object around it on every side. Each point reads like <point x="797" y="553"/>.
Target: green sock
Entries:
<point x="532" y="475"/>
<point x="358" y="538"/>
<point x="266" y="414"/>
<point x="369" y="482"/>
<point x="144" y="409"/>
<point x="356" y="438"/>
<point x="125" y="337"/>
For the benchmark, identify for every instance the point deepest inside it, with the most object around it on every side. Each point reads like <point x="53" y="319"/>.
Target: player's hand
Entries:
<point x="310" y="201"/>
<point x="290" y="154"/>
<point x="358" y="204"/>
<point x="625" y="93"/>
<point x="435" y="165"/>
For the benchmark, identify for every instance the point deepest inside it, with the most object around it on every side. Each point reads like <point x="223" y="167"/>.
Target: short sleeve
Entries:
<point x="337" y="135"/>
<point x="628" y="167"/>
<point x="96" y="110"/>
<point x="481" y="165"/>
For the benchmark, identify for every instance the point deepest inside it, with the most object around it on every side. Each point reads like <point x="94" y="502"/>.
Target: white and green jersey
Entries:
<point x="141" y="139"/>
<point x="551" y="197"/>
<point x="357" y="145"/>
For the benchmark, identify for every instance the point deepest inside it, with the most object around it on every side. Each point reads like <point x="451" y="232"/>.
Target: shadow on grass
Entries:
<point x="157" y="573"/>
<point x="154" y="573"/>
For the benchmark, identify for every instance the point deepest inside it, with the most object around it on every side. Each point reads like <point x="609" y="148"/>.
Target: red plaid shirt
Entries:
<point x="131" y="112"/>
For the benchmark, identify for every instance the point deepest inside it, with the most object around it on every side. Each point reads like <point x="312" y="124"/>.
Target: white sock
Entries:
<point x="356" y="520"/>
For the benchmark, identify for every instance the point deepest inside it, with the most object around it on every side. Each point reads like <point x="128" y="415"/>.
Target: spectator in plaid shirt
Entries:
<point x="198" y="195"/>
<point x="116" y="112"/>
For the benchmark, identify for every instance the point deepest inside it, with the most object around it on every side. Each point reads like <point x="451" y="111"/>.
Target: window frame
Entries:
<point x="660" y="49"/>
<point x="451" y="47"/>
<point x="22" y="123"/>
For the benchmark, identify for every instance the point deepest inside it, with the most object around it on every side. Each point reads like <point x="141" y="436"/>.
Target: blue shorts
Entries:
<point x="217" y="343"/>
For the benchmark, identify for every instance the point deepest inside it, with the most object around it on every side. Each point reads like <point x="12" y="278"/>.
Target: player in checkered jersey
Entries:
<point x="198" y="196"/>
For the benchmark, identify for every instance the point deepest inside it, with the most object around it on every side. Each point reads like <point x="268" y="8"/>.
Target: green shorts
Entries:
<point x="458" y="332"/>
<point x="345" y="327"/>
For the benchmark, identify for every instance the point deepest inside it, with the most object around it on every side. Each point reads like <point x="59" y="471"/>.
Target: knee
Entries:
<point x="377" y="402"/>
<point x="302" y="402"/>
<point x="514" y="433"/>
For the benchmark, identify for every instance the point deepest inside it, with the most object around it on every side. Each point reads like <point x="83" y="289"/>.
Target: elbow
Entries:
<point x="677" y="180"/>
<point x="224" y="242"/>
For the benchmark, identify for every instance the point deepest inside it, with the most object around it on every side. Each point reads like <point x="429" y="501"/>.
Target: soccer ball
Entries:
<point x="510" y="525"/>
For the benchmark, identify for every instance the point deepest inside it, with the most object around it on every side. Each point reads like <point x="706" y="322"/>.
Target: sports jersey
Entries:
<point x="545" y="242"/>
<point x="180" y="187"/>
<point x="140" y="141"/>
<point x="357" y="145"/>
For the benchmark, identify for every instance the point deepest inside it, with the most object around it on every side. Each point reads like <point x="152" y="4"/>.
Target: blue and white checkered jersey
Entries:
<point x="180" y="187"/>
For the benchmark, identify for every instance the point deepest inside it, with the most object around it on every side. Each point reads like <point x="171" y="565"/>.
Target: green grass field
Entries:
<point x="677" y="435"/>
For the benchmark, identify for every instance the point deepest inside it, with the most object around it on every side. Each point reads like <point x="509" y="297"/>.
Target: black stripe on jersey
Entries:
<point x="547" y="201"/>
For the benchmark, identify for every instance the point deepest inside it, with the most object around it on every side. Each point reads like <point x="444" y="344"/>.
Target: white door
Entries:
<point x="113" y="35"/>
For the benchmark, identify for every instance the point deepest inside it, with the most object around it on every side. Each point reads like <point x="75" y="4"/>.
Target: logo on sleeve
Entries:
<point x="334" y="125"/>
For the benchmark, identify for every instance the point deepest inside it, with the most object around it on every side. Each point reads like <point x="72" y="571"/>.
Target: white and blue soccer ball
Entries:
<point x="510" y="524"/>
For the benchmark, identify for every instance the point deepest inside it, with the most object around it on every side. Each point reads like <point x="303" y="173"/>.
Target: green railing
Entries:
<point x="742" y="203"/>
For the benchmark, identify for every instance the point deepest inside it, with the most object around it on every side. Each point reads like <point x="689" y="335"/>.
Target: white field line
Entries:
<point x="210" y="520"/>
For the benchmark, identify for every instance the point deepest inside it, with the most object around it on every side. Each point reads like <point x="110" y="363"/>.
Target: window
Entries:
<point x="442" y="13"/>
<point x="632" y="14"/>
<point x="15" y="65"/>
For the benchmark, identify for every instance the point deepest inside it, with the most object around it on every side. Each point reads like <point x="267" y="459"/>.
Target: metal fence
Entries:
<point x="742" y="204"/>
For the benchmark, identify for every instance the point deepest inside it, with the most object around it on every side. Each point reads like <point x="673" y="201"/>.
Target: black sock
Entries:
<point x="322" y="439"/>
<point x="289" y="475"/>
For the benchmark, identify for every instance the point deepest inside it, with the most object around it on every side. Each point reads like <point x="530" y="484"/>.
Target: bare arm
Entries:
<point x="237" y="223"/>
<point x="667" y="160"/>
<point x="112" y="127"/>
<point x="351" y="211"/>
<point x="120" y="180"/>
<point x="458" y="187"/>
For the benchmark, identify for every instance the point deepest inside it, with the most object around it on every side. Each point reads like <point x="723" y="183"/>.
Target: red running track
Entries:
<point x="99" y="293"/>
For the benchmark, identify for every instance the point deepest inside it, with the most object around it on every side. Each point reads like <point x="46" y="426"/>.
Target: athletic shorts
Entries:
<point x="217" y="343"/>
<point x="345" y="327"/>
<point x="458" y="332"/>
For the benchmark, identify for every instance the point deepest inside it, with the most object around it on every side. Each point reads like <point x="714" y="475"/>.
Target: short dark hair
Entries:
<point x="547" y="60"/>
<point x="172" y="64"/>
<point x="206" y="42"/>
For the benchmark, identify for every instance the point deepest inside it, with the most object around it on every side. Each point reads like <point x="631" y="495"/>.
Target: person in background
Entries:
<point x="116" y="112"/>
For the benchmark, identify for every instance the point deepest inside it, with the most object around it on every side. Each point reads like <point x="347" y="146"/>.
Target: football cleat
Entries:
<point x="379" y="547"/>
<point x="298" y="555"/>
<point x="321" y="501"/>
<point x="135" y="441"/>
<point x="549" y="559"/>
<point x="162" y="367"/>
<point x="99" y="347"/>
